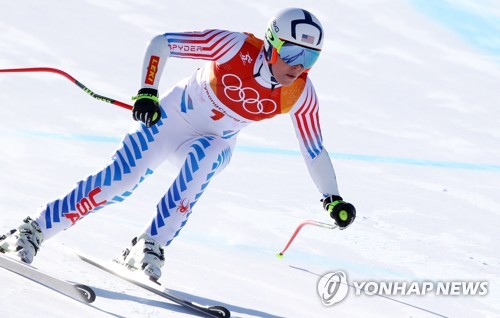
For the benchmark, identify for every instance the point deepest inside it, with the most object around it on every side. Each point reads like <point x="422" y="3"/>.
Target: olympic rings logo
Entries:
<point x="249" y="96"/>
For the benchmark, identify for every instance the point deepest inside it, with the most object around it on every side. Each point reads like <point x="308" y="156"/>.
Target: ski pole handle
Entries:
<point x="72" y="79"/>
<point x="297" y="230"/>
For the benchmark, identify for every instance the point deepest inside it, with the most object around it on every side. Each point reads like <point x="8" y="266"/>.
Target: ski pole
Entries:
<point x="297" y="230"/>
<point x="69" y="77"/>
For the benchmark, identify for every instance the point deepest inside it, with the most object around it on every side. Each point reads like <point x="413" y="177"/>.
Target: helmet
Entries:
<point x="296" y="35"/>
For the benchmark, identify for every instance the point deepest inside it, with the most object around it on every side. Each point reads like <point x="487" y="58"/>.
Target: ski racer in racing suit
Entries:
<point x="196" y="123"/>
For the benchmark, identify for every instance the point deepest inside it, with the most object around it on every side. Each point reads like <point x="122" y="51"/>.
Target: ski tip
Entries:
<point x="219" y="311"/>
<point x="279" y="255"/>
<point x="87" y="294"/>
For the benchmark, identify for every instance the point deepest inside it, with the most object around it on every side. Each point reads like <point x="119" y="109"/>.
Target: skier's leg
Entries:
<point x="204" y="157"/>
<point x="130" y="165"/>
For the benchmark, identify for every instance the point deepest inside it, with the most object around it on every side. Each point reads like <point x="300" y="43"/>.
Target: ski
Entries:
<point x="126" y="274"/>
<point x="78" y="292"/>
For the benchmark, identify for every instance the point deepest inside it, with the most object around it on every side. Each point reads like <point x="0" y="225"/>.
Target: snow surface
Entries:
<point x="409" y="95"/>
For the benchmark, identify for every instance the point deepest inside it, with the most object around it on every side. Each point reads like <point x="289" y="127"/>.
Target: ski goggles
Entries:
<point x="292" y="53"/>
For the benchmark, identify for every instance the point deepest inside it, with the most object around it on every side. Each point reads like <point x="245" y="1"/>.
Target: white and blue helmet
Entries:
<point x="296" y="36"/>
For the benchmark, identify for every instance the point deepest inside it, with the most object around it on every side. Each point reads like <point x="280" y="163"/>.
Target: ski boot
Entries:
<point x="144" y="255"/>
<point x="23" y="242"/>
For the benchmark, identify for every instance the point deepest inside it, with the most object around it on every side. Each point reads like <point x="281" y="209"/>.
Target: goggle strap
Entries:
<point x="275" y="41"/>
<point x="278" y="49"/>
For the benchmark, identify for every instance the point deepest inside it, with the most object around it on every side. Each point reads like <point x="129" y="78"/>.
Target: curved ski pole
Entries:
<point x="297" y="230"/>
<point x="72" y="79"/>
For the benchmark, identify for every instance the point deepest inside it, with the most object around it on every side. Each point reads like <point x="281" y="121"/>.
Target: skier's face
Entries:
<point x="286" y="74"/>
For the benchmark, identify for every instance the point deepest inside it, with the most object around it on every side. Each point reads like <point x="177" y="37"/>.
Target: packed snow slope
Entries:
<point x="409" y="94"/>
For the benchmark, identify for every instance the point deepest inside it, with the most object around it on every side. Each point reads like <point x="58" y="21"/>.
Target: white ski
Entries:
<point x="124" y="273"/>
<point x="78" y="292"/>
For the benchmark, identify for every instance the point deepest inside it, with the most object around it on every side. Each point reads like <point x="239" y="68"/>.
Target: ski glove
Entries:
<point x="342" y="212"/>
<point x="146" y="106"/>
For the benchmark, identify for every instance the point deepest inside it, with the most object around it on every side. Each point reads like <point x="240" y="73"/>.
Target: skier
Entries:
<point x="195" y="124"/>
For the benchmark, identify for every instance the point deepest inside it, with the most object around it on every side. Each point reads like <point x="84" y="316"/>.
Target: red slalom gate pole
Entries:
<point x="297" y="230"/>
<point x="72" y="79"/>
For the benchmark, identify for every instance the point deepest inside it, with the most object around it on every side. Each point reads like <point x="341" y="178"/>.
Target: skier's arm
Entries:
<point x="305" y="121"/>
<point x="307" y="129"/>
<point x="211" y="45"/>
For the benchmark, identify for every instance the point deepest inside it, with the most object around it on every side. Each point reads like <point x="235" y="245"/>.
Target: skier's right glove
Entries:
<point x="342" y="212"/>
<point x="147" y="107"/>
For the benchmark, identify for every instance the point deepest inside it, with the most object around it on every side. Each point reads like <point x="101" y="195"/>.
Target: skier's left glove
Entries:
<point x="342" y="212"/>
<point x="146" y="106"/>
